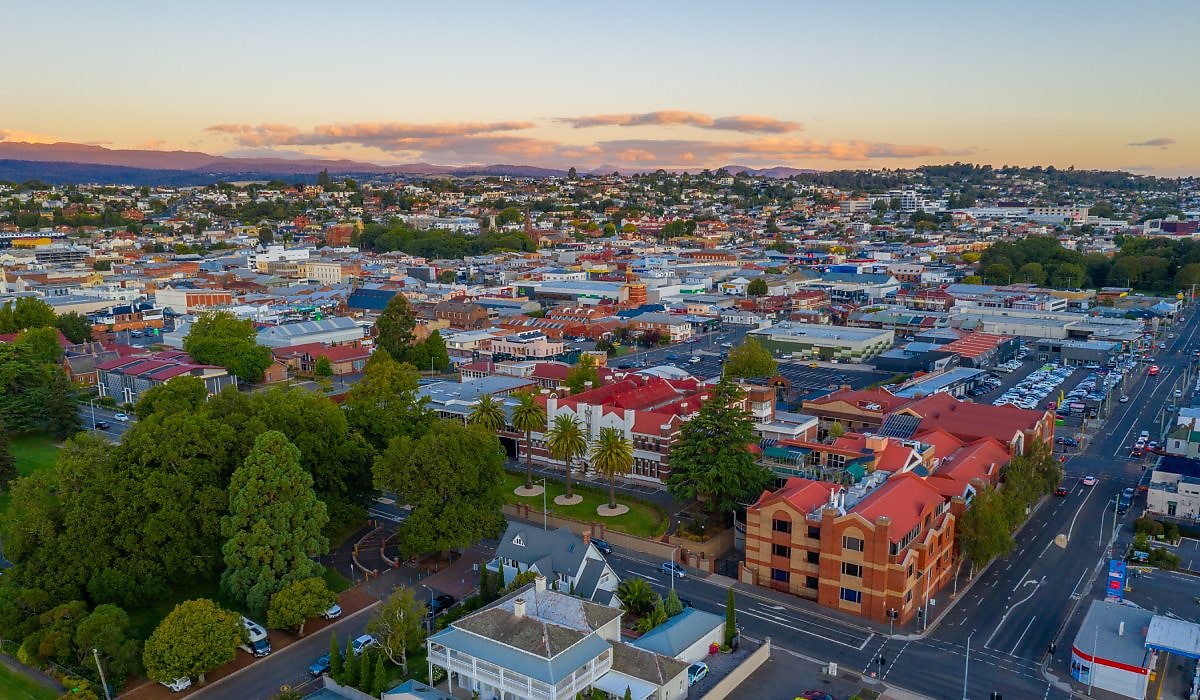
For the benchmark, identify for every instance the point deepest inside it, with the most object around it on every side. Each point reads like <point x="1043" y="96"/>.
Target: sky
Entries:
<point x="629" y="86"/>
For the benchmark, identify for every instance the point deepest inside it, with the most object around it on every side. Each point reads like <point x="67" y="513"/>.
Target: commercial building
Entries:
<point x="824" y="342"/>
<point x="337" y="330"/>
<point x="1175" y="488"/>
<point x="127" y="378"/>
<point x="528" y="345"/>
<point x="1109" y="651"/>
<point x="1075" y="352"/>
<point x="181" y="300"/>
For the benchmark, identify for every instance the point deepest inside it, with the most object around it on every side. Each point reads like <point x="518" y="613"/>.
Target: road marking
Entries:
<point x="1004" y="618"/>
<point x="1077" y="511"/>
<point x="1075" y="590"/>
<point x="1014" y="649"/>
<point x="807" y="631"/>
<point x="1022" y="581"/>
<point x="893" y="664"/>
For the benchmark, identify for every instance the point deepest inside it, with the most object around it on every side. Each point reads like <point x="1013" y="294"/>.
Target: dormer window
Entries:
<point x="518" y="541"/>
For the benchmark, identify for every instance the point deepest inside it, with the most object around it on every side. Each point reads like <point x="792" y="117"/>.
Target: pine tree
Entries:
<point x="335" y="658"/>
<point x="366" y="673"/>
<point x="350" y="669"/>
<point x="730" y="619"/>
<point x="673" y="605"/>
<point x="380" y="677"/>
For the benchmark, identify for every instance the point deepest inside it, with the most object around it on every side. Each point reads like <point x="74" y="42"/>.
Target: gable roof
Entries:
<point x="551" y="551"/>
<point x="903" y="499"/>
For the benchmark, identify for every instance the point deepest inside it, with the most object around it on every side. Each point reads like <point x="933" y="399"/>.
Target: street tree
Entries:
<point x="399" y="626"/>
<point x="985" y="530"/>
<point x="385" y="404"/>
<point x="711" y="461"/>
<point x="528" y="416"/>
<point x="220" y="338"/>
<point x="106" y="629"/>
<point x="196" y="637"/>
<point x="394" y="327"/>
<point x="62" y="410"/>
<point x="451" y="476"/>
<point x="435" y="350"/>
<point x="323" y="368"/>
<point x="612" y="456"/>
<point x="274" y="524"/>
<point x="750" y="360"/>
<point x="730" y="618"/>
<point x="335" y="657"/>
<point x="183" y="393"/>
<point x="566" y="442"/>
<point x="488" y="414"/>
<point x="299" y="600"/>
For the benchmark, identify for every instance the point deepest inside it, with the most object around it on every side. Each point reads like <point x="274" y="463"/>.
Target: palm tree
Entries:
<point x="488" y="413"/>
<point x="528" y="416"/>
<point x="566" y="442"/>
<point x="612" y="455"/>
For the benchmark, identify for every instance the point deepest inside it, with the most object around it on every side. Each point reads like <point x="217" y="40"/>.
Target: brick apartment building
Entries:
<point x="881" y="549"/>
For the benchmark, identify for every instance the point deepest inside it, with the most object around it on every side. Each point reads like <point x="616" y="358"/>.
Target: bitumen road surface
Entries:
<point x="90" y="416"/>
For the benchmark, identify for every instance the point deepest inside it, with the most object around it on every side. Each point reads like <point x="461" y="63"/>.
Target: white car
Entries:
<point x="361" y="644"/>
<point x="333" y="612"/>
<point x="124" y="418"/>
<point x="178" y="685"/>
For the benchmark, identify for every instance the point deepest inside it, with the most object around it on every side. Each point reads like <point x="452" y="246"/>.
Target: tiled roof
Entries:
<point x="904" y="498"/>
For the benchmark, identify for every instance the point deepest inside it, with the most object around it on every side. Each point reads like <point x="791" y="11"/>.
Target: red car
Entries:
<point x="1060" y="491"/>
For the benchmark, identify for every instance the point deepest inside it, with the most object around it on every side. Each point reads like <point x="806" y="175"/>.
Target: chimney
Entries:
<point x="1121" y="629"/>
<point x="587" y="537"/>
<point x="539" y="583"/>
<point x="519" y="608"/>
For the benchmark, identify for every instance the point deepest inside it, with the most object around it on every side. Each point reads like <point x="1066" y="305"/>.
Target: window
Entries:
<point x="780" y="550"/>
<point x="851" y="569"/>
<point x="814" y="532"/>
<point x="813" y="557"/>
<point x="908" y="596"/>
<point x="852" y="543"/>
<point x="781" y="526"/>
<point x="851" y="596"/>
<point x="781" y="575"/>
<point x="810" y="582"/>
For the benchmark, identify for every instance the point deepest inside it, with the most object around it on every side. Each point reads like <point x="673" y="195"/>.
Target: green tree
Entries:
<point x="106" y="629"/>
<point x="335" y="657"/>
<point x="399" y="626"/>
<point x="488" y="414"/>
<point x="296" y="602"/>
<point x="62" y="409"/>
<point x="323" y="368"/>
<point x="75" y="326"/>
<point x="25" y="313"/>
<point x="8" y="463"/>
<point x="350" y="668"/>
<point x="673" y="605"/>
<point x="385" y="404"/>
<point x="985" y="532"/>
<point x="447" y="276"/>
<point x="1188" y="276"/>
<point x="566" y="442"/>
<point x="220" y="338"/>
<point x="612" y="456"/>
<point x="183" y="393"/>
<point x="379" y="678"/>
<point x="582" y="373"/>
<point x="1032" y="272"/>
<point x="394" y="327"/>
<point x="757" y="287"/>
<point x="750" y="360"/>
<point x="654" y="618"/>
<point x="711" y="460"/>
<point x="636" y="595"/>
<point x="528" y="416"/>
<point x="836" y="430"/>
<point x="730" y="618"/>
<point x="510" y="215"/>
<point x="366" y="671"/>
<point x="196" y="637"/>
<point x="40" y="345"/>
<point x="435" y="349"/>
<point x="272" y="509"/>
<point x="451" y="476"/>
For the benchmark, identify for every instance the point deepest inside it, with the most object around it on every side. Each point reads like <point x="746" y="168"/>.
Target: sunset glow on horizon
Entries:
<point x="626" y="85"/>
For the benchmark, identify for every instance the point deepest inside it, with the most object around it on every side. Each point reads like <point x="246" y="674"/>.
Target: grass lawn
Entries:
<point x="20" y="687"/>
<point x="336" y="582"/>
<point x="644" y="519"/>
<point x="33" y="453"/>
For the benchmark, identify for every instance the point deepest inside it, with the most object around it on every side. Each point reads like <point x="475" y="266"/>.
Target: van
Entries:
<point x="257" y="642"/>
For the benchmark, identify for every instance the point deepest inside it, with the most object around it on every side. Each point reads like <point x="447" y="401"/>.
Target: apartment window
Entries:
<point x="780" y="550"/>
<point x="781" y="575"/>
<point x="853" y="544"/>
<point x="782" y="526"/>
<point x="910" y="570"/>
<point x="908" y="596"/>
<point x="814" y="532"/>
<point x="813" y="557"/>
<point x="851" y="596"/>
<point x="851" y="569"/>
<point x="810" y="582"/>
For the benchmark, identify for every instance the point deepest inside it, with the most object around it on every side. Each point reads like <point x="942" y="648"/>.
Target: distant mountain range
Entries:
<point x="60" y="163"/>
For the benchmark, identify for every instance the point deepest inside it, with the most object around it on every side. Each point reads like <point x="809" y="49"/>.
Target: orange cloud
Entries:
<point x="387" y="136"/>
<point x="18" y="135"/>
<point x="745" y="122"/>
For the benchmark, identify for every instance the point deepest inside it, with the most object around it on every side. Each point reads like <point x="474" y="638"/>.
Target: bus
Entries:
<point x="1153" y="370"/>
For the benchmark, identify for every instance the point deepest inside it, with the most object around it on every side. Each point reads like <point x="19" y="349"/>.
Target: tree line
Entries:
<point x="438" y="243"/>
<point x="1151" y="264"/>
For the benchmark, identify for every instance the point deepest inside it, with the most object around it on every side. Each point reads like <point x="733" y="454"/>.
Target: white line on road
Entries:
<point x="1014" y="649"/>
<point x="806" y="631"/>
<point x="1022" y="581"/>
<point x="1014" y="606"/>
<point x="1075" y="590"/>
<point x="1077" y="511"/>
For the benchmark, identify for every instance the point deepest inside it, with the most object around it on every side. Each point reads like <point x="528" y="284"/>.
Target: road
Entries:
<point x="90" y="415"/>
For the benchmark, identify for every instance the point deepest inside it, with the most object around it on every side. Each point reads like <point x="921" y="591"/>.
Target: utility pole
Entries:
<point x="96" y="655"/>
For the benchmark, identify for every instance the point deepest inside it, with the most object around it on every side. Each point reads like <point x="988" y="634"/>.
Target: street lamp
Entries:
<point x="967" y="664"/>
<point x="92" y="403"/>
<point x="545" y="514"/>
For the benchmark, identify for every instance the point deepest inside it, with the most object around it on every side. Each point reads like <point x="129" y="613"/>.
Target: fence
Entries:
<point x="737" y="676"/>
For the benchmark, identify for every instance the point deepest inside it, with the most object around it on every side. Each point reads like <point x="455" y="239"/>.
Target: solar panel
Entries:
<point x="899" y="426"/>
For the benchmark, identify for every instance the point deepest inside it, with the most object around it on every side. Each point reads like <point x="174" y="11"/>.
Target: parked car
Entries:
<point x="670" y="567"/>
<point x="257" y="641"/>
<point x="603" y="547"/>
<point x="321" y="665"/>
<point x="816" y="695"/>
<point x="697" y="672"/>
<point x="178" y="685"/>
<point x="333" y="613"/>
<point x="442" y="603"/>
<point x="361" y="644"/>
